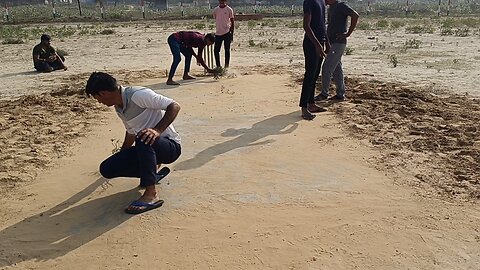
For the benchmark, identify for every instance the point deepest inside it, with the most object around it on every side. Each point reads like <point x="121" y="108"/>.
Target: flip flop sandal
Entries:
<point x="142" y="207"/>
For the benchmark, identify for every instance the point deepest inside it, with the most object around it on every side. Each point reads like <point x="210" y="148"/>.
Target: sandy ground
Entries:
<point x="256" y="187"/>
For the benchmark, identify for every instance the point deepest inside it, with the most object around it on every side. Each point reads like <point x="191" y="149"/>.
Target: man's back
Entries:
<point x="316" y="8"/>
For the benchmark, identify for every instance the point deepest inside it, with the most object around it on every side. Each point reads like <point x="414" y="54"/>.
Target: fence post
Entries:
<point x="7" y="15"/>
<point x="448" y="8"/>
<point x="53" y="9"/>
<point x="79" y="7"/>
<point x="255" y="7"/>
<point x="181" y="7"/>
<point x="101" y="10"/>
<point x="368" y="7"/>
<point x="143" y="8"/>
<point x="438" y="11"/>
<point x="406" y="9"/>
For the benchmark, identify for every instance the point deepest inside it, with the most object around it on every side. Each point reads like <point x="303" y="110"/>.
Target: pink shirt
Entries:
<point x="222" y="19"/>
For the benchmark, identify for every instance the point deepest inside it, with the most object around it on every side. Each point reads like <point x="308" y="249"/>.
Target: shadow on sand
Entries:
<point x="63" y="228"/>
<point x="31" y="72"/>
<point x="244" y="137"/>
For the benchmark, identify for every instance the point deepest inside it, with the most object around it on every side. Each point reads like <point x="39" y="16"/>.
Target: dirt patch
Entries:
<point x="434" y="137"/>
<point x="37" y="129"/>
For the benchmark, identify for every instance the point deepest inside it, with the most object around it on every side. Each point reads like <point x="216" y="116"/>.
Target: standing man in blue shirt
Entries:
<point x="338" y="13"/>
<point x="315" y="46"/>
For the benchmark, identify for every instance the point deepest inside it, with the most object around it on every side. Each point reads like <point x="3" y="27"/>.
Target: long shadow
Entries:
<point x="31" y="72"/>
<point x="62" y="229"/>
<point x="245" y="137"/>
<point x="164" y="86"/>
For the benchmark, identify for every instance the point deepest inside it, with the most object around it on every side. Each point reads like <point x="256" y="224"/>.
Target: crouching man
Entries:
<point x="150" y="138"/>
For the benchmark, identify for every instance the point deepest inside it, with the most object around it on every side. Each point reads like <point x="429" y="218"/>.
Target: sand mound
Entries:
<point x="436" y="137"/>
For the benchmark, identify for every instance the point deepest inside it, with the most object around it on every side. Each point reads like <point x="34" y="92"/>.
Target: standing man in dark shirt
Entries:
<point x="338" y="13"/>
<point x="45" y="58"/>
<point x="184" y="42"/>
<point x="313" y="48"/>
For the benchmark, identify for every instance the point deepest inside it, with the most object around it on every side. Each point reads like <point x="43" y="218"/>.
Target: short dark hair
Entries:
<point x="45" y="37"/>
<point x="211" y="37"/>
<point x="100" y="81"/>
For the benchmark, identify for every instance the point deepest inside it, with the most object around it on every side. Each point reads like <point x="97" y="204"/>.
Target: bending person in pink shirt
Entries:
<point x="183" y="42"/>
<point x="225" y="25"/>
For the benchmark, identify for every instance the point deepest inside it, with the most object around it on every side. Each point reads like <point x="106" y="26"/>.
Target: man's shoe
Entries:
<point x="338" y="98"/>
<point x="321" y="97"/>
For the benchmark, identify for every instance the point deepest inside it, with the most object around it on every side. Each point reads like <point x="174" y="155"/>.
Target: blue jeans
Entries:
<point x="141" y="160"/>
<point x="333" y="66"/>
<point x="313" y="62"/>
<point x="177" y="48"/>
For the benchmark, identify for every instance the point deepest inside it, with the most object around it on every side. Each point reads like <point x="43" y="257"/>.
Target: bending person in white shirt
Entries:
<point x="148" y="118"/>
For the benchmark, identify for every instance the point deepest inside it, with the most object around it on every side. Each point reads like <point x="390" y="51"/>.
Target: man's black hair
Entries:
<point x="45" y="37"/>
<point x="100" y="81"/>
<point x="211" y="37"/>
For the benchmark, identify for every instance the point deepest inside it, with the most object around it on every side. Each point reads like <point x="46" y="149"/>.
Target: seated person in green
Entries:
<point x="45" y="58"/>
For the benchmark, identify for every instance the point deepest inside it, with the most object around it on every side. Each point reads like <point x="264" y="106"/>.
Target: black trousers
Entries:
<point x="140" y="160"/>
<point x="227" y="40"/>
<point x="313" y="64"/>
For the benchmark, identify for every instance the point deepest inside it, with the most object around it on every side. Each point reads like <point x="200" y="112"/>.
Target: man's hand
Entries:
<point x="148" y="135"/>
<point x="52" y="58"/>
<point x="320" y="51"/>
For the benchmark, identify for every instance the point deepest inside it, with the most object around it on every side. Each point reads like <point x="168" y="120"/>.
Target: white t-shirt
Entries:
<point x="143" y="108"/>
<point x="222" y="19"/>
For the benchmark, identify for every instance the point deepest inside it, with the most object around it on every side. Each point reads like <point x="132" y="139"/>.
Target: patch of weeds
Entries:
<point x="364" y="26"/>
<point x="263" y="44"/>
<point x="219" y="72"/>
<point x="444" y="31"/>
<point x="281" y="47"/>
<point x="412" y="44"/>
<point x="251" y="43"/>
<point x="117" y="145"/>
<point x="382" y="24"/>
<point x="107" y="32"/>
<point x="419" y="29"/>
<point x="251" y="25"/>
<point x="393" y="60"/>
<point x="269" y="23"/>
<point x="462" y="32"/>
<point x="289" y="44"/>
<point x="295" y="24"/>
<point x="199" y="26"/>
<point x="348" y="51"/>
<point x="13" y="41"/>
<point x="395" y="24"/>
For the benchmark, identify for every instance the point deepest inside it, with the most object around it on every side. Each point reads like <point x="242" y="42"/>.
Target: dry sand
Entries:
<point x="388" y="180"/>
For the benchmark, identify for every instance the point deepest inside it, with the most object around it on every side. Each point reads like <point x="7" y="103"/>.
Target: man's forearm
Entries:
<point x="170" y="114"/>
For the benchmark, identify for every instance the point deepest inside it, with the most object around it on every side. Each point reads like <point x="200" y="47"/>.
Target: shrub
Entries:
<point x="13" y="41"/>
<point x="419" y="29"/>
<point x="412" y="44"/>
<point x="382" y="24"/>
<point x="348" y="51"/>
<point x="107" y="32"/>
<point x="393" y="60"/>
